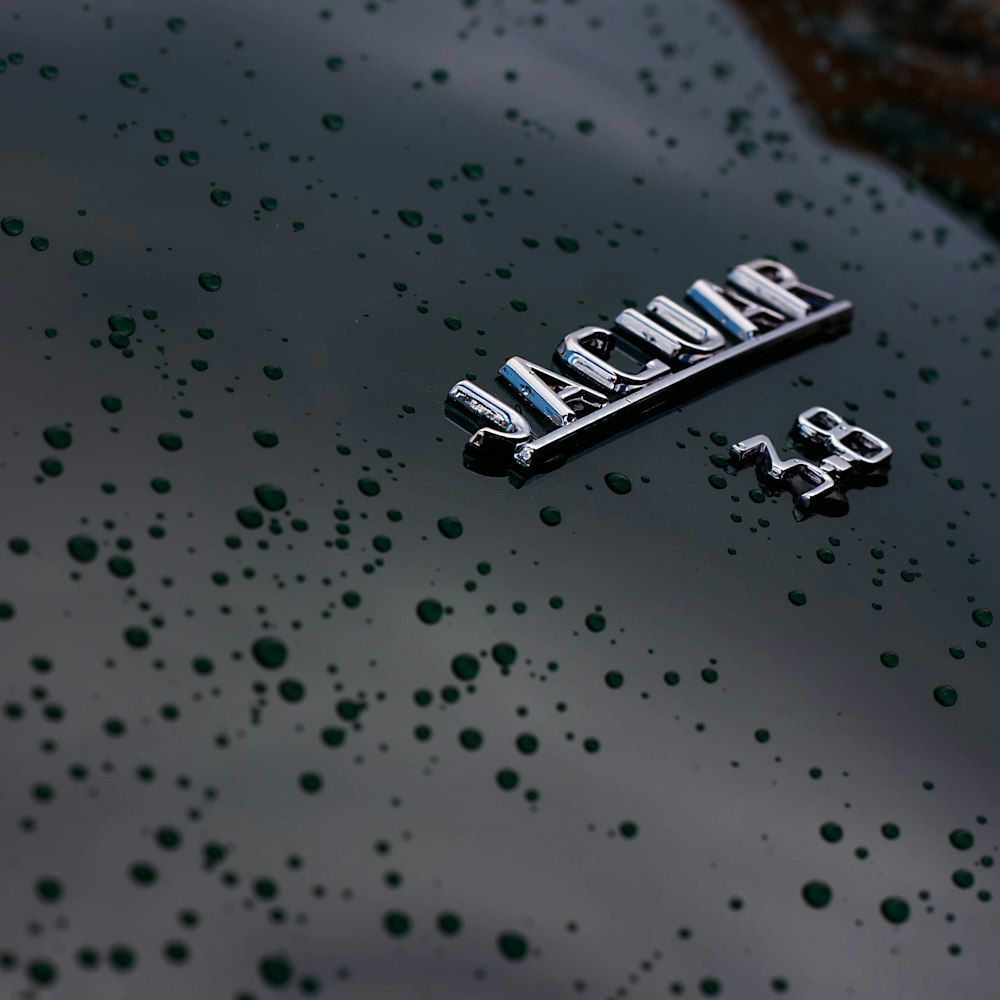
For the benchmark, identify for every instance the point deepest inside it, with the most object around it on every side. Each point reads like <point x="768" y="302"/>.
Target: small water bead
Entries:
<point x="470" y="739"/>
<point x="618" y="483"/>
<point x="220" y="198"/>
<point x="410" y="217"/>
<point x="292" y="690"/>
<point x="49" y="890"/>
<point x="210" y="281"/>
<point x="963" y="879"/>
<point x="121" y="566"/>
<point x="449" y="924"/>
<point x="83" y="256"/>
<point x="250" y="517"/>
<point x="550" y="516"/>
<point x="270" y="496"/>
<point x="895" y="909"/>
<point x="508" y="779"/>
<point x="945" y="695"/>
<point x="57" y="437"/>
<point x="332" y="122"/>
<point x="450" y="527"/>
<point x="310" y="782"/>
<point x="831" y="832"/>
<point x="797" y="598"/>
<point x="817" y="894"/>
<point x="429" y="611"/>
<point x="270" y="652"/>
<point x="275" y="970"/>
<point x="121" y="323"/>
<point x="983" y="617"/>
<point x="143" y="873"/>
<point x="82" y="548"/>
<point x="889" y="659"/>
<point x="397" y="923"/>
<point x="504" y="653"/>
<point x="169" y="441"/>
<point x="513" y="946"/>
<point x="42" y="972"/>
<point x="11" y="225"/>
<point x="961" y="839"/>
<point x="265" y="438"/>
<point x="465" y="667"/>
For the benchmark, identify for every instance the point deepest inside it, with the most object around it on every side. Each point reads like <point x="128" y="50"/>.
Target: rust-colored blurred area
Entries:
<point x="914" y="81"/>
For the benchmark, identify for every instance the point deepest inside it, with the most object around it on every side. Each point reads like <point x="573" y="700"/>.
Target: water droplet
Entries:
<point x="550" y="516"/>
<point x="270" y="497"/>
<point x="410" y="217"/>
<point x="397" y="923"/>
<point x="465" y="667"/>
<point x="266" y="439"/>
<point x="57" y="437"/>
<point x="618" y="483"/>
<point x="270" y="652"/>
<point x="961" y="839"/>
<point x="817" y="894"/>
<point x="429" y="611"/>
<point x="831" y="832"/>
<point x="895" y="909"/>
<point x="450" y="527"/>
<point x="945" y="695"/>
<point x="170" y="441"/>
<point x="512" y="945"/>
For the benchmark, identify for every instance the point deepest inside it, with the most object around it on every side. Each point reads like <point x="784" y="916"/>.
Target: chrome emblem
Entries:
<point x="845" y="455"/>
<point x="764" y="311"/>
